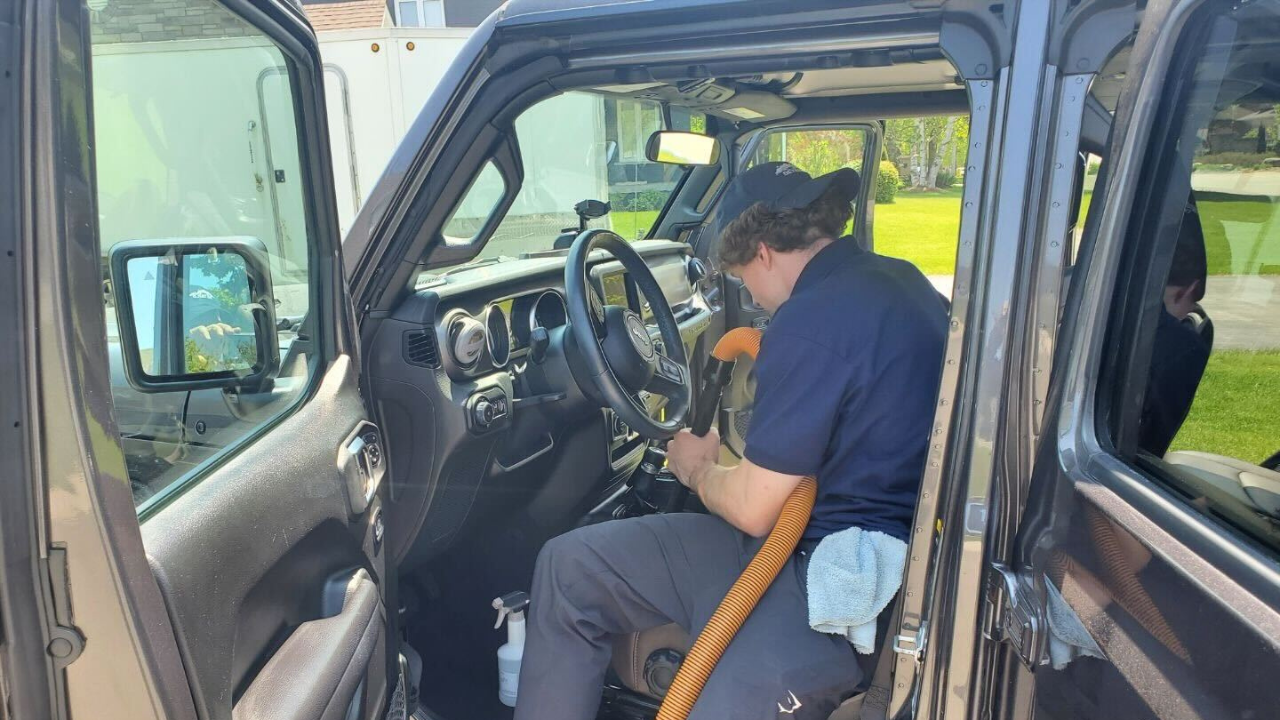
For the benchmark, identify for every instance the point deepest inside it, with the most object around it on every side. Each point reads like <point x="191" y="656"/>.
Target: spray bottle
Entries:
<point x="510" y="607"/>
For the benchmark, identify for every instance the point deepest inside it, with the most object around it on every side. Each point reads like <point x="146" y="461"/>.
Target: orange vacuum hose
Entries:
<point x="755" y="579"/>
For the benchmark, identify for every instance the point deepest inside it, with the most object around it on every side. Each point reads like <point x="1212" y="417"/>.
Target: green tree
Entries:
<point x="923" y="147"/>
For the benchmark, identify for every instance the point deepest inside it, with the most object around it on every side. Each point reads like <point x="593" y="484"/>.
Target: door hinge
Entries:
<point x="65" y="641"/>
<point x="1014" y="612"/>
<point x="913" y="642"/>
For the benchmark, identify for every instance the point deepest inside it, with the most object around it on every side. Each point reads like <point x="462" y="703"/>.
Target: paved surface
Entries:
<point x="1245" y="309"/>
<point x="1239" y="182"/>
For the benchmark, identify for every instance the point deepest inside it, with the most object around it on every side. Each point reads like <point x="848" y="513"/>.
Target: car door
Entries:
<point x="213" y="543"/>
<point x="1148" y="556"/>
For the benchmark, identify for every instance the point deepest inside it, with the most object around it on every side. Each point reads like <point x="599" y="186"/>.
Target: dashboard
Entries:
<point x="474" y="376"/>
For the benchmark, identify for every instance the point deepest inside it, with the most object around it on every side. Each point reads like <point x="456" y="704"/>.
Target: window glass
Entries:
<point x="1209" y="425"/>
<point x="476" y="207"/>
<point x="584" y="146"/>
<point x="409" y="13"/>
<point x="196" y="137"/>
<point x="816" y="152"/>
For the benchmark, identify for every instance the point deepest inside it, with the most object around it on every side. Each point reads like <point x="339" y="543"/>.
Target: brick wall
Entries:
<point x="129" y="21"/>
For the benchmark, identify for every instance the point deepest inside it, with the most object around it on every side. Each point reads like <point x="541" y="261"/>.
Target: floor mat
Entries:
<point x="452" y="627"/>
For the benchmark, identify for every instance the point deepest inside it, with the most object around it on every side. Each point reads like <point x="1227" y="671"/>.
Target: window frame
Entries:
<point x="329" y="323"/>
<point x="1086" y="362"/>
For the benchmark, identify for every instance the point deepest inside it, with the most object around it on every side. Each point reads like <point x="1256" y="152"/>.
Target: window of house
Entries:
<point x="1200" y="407"/>
<point x="420" y="13"/>
<point x="635" y="121"/>
<point x="196" y="137"/>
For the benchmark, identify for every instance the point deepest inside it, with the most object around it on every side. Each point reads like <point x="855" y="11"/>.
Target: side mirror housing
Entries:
<point x="675" y="147"/>
<point x="195" y="314"/>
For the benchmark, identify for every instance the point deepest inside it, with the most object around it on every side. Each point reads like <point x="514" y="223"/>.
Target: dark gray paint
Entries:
<point x="29" y="675"/>
<point x="467" y="13"/>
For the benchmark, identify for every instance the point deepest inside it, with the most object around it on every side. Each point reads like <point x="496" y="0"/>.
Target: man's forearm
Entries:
<point x="726" y="494"/>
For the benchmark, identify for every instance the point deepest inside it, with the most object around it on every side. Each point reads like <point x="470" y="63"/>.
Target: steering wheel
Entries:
<point x="618" y="358"/>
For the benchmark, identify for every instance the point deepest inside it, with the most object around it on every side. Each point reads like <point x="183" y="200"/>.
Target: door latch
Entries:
<point x="913" y="643"/>
<point x="1015" y="613"/>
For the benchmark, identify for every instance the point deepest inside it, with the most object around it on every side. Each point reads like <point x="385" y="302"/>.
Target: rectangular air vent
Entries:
<point x="420" y="348"/>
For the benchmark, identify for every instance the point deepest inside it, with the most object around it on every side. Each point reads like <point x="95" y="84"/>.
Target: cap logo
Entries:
<point x="785" y="169"/>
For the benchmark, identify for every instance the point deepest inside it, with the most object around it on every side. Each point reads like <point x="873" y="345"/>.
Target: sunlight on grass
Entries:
<point x="1237" y="407"/>
<point x="922" y="228"/>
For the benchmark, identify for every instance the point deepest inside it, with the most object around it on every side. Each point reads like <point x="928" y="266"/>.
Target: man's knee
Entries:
<point x="563" y="559"/>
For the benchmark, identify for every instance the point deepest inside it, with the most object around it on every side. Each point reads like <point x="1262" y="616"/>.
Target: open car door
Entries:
<point x="198" y="439"/>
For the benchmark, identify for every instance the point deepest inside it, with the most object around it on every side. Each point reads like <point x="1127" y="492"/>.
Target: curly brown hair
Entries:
<point x="784" y="230"/>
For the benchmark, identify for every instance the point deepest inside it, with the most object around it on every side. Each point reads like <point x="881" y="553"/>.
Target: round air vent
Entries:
<point x="467" y="340"/>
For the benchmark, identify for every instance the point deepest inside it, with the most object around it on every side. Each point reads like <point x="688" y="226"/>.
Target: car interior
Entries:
<point x="493" y="446"/>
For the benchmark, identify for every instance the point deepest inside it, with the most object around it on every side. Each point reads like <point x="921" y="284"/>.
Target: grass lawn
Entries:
<point x="1239" y="236"/>
<point x="633" y="225"/>
<point x="1237" y="407"/>
<point x="922" y="228"/>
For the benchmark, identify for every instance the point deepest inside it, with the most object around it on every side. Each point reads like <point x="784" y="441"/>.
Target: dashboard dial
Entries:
<point x="467" y="340"/>
<point x="499" y="334"/>
<point x="548" y="312"/>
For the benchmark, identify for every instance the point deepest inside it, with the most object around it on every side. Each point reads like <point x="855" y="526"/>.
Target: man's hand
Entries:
<point x="689" y="456"/>
<point x="207" y="332"/>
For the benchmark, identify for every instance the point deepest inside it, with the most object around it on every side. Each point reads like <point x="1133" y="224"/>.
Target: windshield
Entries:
<point x="576" y="146"/>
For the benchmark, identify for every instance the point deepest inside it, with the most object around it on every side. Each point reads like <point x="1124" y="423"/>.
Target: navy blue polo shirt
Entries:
<point x="847" y="378"/>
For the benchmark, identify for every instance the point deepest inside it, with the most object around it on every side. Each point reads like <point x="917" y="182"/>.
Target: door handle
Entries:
<point x="316" y="672"/>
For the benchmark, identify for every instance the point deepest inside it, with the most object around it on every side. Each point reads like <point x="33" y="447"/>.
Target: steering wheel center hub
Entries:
<point x="638" y="334"/>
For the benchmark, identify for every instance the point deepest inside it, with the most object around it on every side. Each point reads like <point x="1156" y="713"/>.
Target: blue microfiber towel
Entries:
<point x="1068" y="638"/>
<point x="852" y="576"/>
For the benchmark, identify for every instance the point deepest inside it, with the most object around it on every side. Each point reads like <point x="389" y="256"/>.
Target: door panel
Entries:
<point x="261" y="504"/>
<point x="1162" y="580"/>
<point x="246" y="557"/>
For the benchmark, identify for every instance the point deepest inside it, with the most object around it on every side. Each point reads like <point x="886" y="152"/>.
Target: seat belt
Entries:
<point x="875" y="703"/>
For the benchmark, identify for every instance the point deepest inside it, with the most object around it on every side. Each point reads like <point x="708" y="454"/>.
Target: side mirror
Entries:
<point x="195" y="314"/>
<point x="682" y="148"/>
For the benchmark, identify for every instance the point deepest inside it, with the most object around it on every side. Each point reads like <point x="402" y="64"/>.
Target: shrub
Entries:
<point x="1241" y="160"/>
<point x="1092" y="167"/>
<point x="638" y="201"/>
<point x="887" y="183"/>
<point x="944" y="180"/>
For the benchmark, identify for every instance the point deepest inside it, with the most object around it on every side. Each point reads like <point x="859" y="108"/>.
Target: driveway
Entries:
<point x="1245" y="309"/>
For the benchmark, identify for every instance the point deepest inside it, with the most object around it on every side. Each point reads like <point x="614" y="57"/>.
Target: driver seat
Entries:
<point x="646" y="662"/>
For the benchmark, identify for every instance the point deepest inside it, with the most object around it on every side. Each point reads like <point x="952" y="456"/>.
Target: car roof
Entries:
<point x="528" y="12"/>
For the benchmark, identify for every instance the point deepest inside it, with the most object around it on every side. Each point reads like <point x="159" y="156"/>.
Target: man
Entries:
<point x="847" y="379"/>
<point x="1182" y="345"/>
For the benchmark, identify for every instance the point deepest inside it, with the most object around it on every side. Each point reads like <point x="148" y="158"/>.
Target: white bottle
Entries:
<point x="511" y="607"/>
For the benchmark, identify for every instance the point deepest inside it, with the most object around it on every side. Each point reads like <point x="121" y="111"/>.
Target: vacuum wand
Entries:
<point x="739" y="341"/>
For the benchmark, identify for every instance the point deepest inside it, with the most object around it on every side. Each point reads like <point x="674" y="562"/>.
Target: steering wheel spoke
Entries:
<point x="669" y="378"/>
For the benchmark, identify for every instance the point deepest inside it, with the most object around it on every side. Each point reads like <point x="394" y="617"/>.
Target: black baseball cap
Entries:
<point x="780" y="186"/>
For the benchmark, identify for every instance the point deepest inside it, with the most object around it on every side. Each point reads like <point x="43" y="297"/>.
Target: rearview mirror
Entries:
<point x="682" y="148"/>
<point x="195" y="314"/>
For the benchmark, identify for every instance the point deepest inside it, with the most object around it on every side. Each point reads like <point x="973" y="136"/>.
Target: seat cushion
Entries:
<point x="647" y="661"/>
